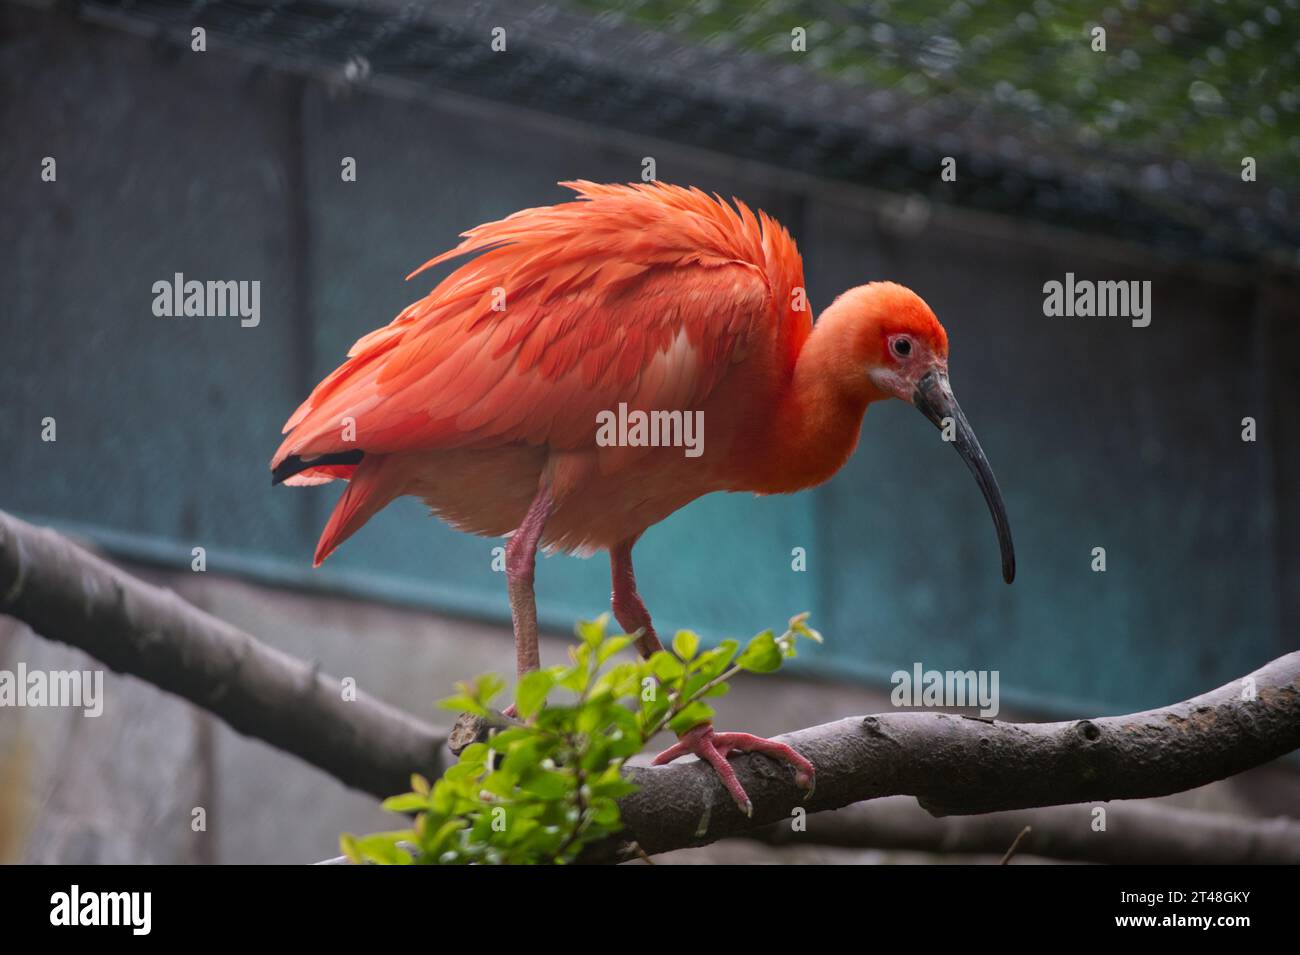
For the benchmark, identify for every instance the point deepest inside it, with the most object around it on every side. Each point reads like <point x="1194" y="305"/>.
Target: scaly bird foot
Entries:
<point x="713" y="747"/>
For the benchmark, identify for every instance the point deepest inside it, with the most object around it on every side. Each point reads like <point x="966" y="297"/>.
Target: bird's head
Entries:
<point x="898" y="349"/>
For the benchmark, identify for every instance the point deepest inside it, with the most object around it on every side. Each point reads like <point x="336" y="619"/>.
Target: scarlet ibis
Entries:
<point x="485" y="398"/>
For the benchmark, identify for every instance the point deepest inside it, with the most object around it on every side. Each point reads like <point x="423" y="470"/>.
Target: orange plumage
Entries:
<point x="646" y="295"/>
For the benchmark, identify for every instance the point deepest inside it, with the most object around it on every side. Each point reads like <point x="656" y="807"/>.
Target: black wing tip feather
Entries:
<point x="295" y="465"/>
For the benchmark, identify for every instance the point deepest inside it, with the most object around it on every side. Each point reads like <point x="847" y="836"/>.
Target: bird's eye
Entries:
<point x="902" y="347"/>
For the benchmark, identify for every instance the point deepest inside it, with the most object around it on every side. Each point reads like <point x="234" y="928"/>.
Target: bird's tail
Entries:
<point x="377" y="480"/>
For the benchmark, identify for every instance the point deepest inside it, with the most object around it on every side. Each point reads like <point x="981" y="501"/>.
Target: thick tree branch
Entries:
<point x="65" y="593"/>
<point x="952" y="764"/>
<point x="1135" y="833"/>
<point x="959" y="765"/>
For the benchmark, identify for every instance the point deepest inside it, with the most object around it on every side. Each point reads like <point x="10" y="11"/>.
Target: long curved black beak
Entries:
<point x="933" y="398"/>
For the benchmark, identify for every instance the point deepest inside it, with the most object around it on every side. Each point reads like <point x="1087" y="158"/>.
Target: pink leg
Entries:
<point x="629" y="610"/>
<point x="521" y="560"/>
<point x="702" y="740"/>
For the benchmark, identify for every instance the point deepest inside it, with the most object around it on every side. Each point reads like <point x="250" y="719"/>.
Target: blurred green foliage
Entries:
<point x="1201" y="80"/>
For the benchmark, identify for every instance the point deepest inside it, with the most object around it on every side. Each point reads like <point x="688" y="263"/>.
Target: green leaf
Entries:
<point x="799" y="627"/>
<point x="348" y="846"/>
<point x="547" y="783"/>
<point x="444" y="794"/>
<point x="532" y="691"/>
<point x="693" y="686"/>
<point x="605" y="813"/>
<point x="463" y="703"/>
<point x="666" y="666"/>
<point x="500" y="783"/>
<point x="438" y="842"/>
<point x="502" y="740"/>
<point x="382" y="847"/>
<point x="590" y="719"/>
<point x="652" y="711"/>
<point x="685" y="644"/>
<point x="573" y="678"/>
<point x="762" y="655"/>
<point x="521" y="759"/>
<point x="591" y="632"/>
<point x="488" y="685"/>
<point x="691" y="716"/>
<point x="712" y="663"/>
<point x="611" y="647"/>
<point x="623" y="681"/>
<point x="474" y="756"/>
<point x="407" y="802"/>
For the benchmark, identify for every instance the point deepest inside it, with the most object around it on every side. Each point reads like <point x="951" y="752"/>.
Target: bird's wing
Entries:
<point x="643" y="294"/>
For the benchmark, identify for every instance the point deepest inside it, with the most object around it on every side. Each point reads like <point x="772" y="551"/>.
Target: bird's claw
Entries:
<point x="713" y="748"/>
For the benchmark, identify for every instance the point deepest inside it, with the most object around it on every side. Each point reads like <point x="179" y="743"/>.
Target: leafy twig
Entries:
<point x="543" y="789"/>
